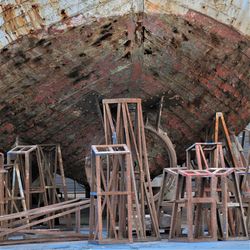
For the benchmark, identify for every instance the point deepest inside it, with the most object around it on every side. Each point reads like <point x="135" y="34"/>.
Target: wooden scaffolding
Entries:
<point x="32" y="170"/>
<point x="111" y="195"/>
<point x="123" y="124"/>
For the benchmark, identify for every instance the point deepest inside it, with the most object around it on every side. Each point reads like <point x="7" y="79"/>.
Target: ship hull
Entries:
<point x="54" y="78"/>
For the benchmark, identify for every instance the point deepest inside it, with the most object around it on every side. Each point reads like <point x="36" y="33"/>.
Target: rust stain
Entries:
<point x="35" y="16"/>
<point x="20" y="1"/>
<point x="17" y="25"/>
<point x="152" y="6"/>
<point x="64" y="14"/>
<point x="8" y="12"/>
<point x="10" y="20"/>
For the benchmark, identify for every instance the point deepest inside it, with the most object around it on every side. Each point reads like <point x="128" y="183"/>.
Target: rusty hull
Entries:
<point x="53" y="79"/>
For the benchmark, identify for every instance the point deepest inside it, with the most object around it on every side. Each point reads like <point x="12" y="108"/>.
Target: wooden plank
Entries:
<point x="213" y="208"/>
<point x="147" y="175"/>
<point x="175" y="209"/>
<point x="204" y="158"/>
<point x="99" y="201"/>
<point x="43" y="212"/>
<point x="78" y="220"/>
<point x="48" y="232"/>
<point x="139" y="216"/>
<point x="121" y="100"/>
<point x="129" y="130"/>
<point x="216" y="130"/>
<point x="27" y="180"/>
<point x="239" y="199"/>
<point x="92" y="212"/>
<point x="226" y="133"/>
<point x="189" y="207"/>
<point x="198" y="156"/>
<point x="43" y="240"/>
<point x="36" y="222"/>
<point x="129" y="199"/>
<point x="50" y="208"/>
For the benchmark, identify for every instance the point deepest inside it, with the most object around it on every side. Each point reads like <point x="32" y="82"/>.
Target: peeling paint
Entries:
<point x="119" y="68"/>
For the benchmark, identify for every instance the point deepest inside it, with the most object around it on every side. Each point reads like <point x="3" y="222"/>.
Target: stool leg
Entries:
<point x="189" y="207"/>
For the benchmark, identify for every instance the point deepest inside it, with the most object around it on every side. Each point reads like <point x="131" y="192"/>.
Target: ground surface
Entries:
<point x="243" y="245"/>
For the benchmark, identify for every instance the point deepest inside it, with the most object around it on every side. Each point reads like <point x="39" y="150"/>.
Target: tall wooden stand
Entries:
<point x="123" y="123"/>
<point x="111" y="195"/>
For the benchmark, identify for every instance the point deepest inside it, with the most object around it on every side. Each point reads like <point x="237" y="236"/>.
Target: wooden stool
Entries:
<point x="195" y="194"/>
<point x="230" y="211"/>
<point x="207" y="155"/>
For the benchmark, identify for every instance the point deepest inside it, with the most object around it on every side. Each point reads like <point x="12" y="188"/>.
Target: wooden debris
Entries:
<point x="168" y="185"/>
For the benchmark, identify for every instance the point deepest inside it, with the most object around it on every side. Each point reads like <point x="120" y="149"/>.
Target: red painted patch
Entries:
<point x="221" y="71"/>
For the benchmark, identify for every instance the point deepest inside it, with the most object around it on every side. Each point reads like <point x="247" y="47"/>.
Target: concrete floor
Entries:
<point x="218" y="245"/>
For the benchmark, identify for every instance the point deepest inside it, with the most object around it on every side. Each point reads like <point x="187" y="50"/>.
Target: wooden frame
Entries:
<point x="195" y="191"/>
<point x="111" y="195"/>
<point x="123" y="123"/>
<point x="20" y="157"/>
<point x="169" y="181"/>
<point x="3" y="189"/>
<point x="230" y="212"/>
<point x="207" y="155"/>
<point x="220" y="117"/>
<point x="243" y="175"/>
<point x="46" y="161"/>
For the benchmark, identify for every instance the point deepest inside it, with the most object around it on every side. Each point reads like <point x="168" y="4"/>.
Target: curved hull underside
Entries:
<point x="55" y="69"/>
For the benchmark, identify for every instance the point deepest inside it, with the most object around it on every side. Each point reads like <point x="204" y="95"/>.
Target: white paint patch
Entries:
<point x="49" y="12"/>
<point x="234" y="13"/>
